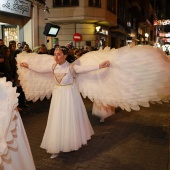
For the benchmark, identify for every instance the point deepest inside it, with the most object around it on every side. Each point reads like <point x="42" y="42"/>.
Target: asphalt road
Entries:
<point x="137" y="140"/>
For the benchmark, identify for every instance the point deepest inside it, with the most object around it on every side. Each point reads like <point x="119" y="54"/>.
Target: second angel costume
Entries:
<point x="15" y="152"/>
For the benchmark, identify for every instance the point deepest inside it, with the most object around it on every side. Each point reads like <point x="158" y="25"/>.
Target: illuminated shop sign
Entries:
<point x="19" y="7"/>
<point x="163" y="34"/>
<point x="101" y="30"/>
<point x="162" y="22"/>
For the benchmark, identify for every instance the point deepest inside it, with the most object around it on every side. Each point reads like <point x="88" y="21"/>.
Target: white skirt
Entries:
<point x="68" y="126"/>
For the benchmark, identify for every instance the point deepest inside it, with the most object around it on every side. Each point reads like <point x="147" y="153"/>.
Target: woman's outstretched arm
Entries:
<point x="83" y="69"/>
<point x="45" y="69"/>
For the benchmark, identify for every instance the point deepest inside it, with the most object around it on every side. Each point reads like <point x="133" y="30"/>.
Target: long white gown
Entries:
<point x="15" y="152"/>
<point x="68" y="126"/>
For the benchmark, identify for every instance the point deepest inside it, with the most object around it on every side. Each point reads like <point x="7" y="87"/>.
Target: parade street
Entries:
<point x="136" y="140"/>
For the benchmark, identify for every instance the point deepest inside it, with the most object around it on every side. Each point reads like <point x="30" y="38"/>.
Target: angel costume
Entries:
<point x="15" y="153"/>
<point x="137" y="76"/>
<point x="68" y="126"/>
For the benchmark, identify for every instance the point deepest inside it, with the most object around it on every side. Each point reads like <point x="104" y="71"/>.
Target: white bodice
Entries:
<point x="62" y="74"/>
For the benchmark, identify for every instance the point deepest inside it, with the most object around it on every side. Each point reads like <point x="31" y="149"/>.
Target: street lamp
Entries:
<point x="146" y="35"/>
<point x="146" y="38"/>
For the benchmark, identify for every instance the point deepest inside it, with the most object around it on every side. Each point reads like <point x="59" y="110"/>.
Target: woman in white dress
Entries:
<point x="68" y="126"/>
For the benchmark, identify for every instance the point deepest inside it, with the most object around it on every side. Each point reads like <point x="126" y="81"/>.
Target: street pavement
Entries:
<point x="136" y="140"/>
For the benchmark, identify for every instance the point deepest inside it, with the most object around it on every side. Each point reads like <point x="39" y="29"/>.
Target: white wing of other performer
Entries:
<point x="15" y="152"/>
<point x="36" y="85"/>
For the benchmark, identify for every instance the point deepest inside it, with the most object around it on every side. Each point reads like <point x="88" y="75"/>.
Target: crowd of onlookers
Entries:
<point x="8" y="65"/>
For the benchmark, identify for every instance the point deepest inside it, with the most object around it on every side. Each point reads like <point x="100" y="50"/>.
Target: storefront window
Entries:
<point x="65" y="3"/>
<point x="10" y="33"/>
<point x="111" y="6"/>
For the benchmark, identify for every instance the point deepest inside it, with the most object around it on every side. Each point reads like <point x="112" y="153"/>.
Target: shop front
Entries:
<point x="13" y="13"/>
<point x="20" y="21"/>
<point x="101" y="36"/>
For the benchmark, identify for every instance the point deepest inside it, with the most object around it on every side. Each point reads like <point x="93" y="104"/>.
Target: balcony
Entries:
<point x="81" y="14"/>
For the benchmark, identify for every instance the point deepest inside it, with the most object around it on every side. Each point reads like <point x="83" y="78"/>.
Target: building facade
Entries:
<point x="112" y="23"/>
<point x="101" y="23"/>
<point x="90" y="19"/>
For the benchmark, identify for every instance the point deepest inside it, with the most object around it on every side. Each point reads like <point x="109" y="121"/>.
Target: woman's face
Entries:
<point x="25" y="48"/>
<point x="13" y="47"/>
<point x="59" y="57"/>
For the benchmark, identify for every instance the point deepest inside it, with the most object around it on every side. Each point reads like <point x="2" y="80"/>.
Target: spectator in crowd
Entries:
<point x="27" y="49"/>
<point x="43" y="49"/>
<point x="1" y="42"/>
<point x="70" y="57"/>
<point x="19" y="47"/>
<point x="6" y="67"/>
<point x="2" y="68"/>
<point x="51" y="51"/>
<point x="77" y="54"/>
<point x="71" y="45"/>
<point x="67" y="46"/>
<point x="1" y="48"/>
<point x="12" y="47"/>
<point x="23" y="43"/>
<point x="2" y="65"/>
<point x="36" y="49"/>
<point x="21" y="98"/>
<point x="86" y="49"/>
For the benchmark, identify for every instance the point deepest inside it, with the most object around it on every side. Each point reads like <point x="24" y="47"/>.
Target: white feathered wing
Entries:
<point x="36" y="85"/>
<point x="136" y="76"/>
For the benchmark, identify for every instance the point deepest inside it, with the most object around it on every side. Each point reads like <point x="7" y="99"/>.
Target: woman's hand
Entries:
<point x="104" y="64"/>
<point x="24" y="65"/>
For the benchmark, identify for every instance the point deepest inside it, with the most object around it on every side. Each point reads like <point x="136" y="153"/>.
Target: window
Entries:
<point x="10" y="33"/>
<point x="111" y="6"/>
<point x="65" y="3"/>
<point x="95" y="3"/>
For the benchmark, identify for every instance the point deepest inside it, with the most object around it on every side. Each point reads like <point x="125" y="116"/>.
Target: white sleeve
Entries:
<point x="84" y="69"/>
<point x="45" y="69"/>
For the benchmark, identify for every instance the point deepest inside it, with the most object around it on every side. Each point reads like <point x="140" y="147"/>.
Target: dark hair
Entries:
<point x="56" y="46"/>
<point x="16" y="52"/>
<point x="51" y="51"/>
<point x="23" y="43"/>
<point x="4" y="51"/>
<point x="63" y="49"/>
<point x="12" y="42"/>
<point x="43" y="45"/>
